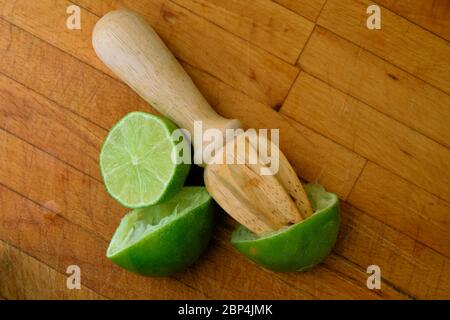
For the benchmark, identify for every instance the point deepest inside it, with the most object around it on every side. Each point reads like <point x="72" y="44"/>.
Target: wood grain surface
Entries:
<point x="364" y="112"/>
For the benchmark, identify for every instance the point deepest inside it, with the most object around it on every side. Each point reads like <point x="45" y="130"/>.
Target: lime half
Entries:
<point x="137" y="161"/>
<point x="298" y="247"/>
<point x="164" y="238"/>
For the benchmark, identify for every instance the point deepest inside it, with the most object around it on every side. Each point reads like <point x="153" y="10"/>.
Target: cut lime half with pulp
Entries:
<point x="297" y="247"/>
<point x="164" y="238"/>
<point x="138" y="160"/>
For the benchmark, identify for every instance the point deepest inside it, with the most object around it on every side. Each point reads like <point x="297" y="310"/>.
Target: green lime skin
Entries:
<point x="298" y="247"/>
<point x="175" y="242"/>
<point x="154" y="178"/>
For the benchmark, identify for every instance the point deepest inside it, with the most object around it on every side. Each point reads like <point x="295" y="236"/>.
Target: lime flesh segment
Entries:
<point x="298" y="247"/>
<point x="136" y="161"/>
<point x="164" y="238"/>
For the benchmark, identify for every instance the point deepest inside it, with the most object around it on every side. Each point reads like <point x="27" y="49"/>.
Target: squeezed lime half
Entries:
<point x="137" y="160"/>
<point x="164" y="238"/>
<point x="297" y="247"/>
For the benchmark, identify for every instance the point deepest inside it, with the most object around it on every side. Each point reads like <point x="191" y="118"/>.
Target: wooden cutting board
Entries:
<point x="364" y="112"/>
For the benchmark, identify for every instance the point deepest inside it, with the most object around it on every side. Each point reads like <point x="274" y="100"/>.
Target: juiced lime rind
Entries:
<point x="139" y="222"/>
<point x="158" y="177"/>
<point x="298" y="247"/>
<point x="177" y="233"/>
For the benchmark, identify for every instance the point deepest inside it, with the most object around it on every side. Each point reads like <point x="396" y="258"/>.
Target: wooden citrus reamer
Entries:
<point x="129" y="46"/>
